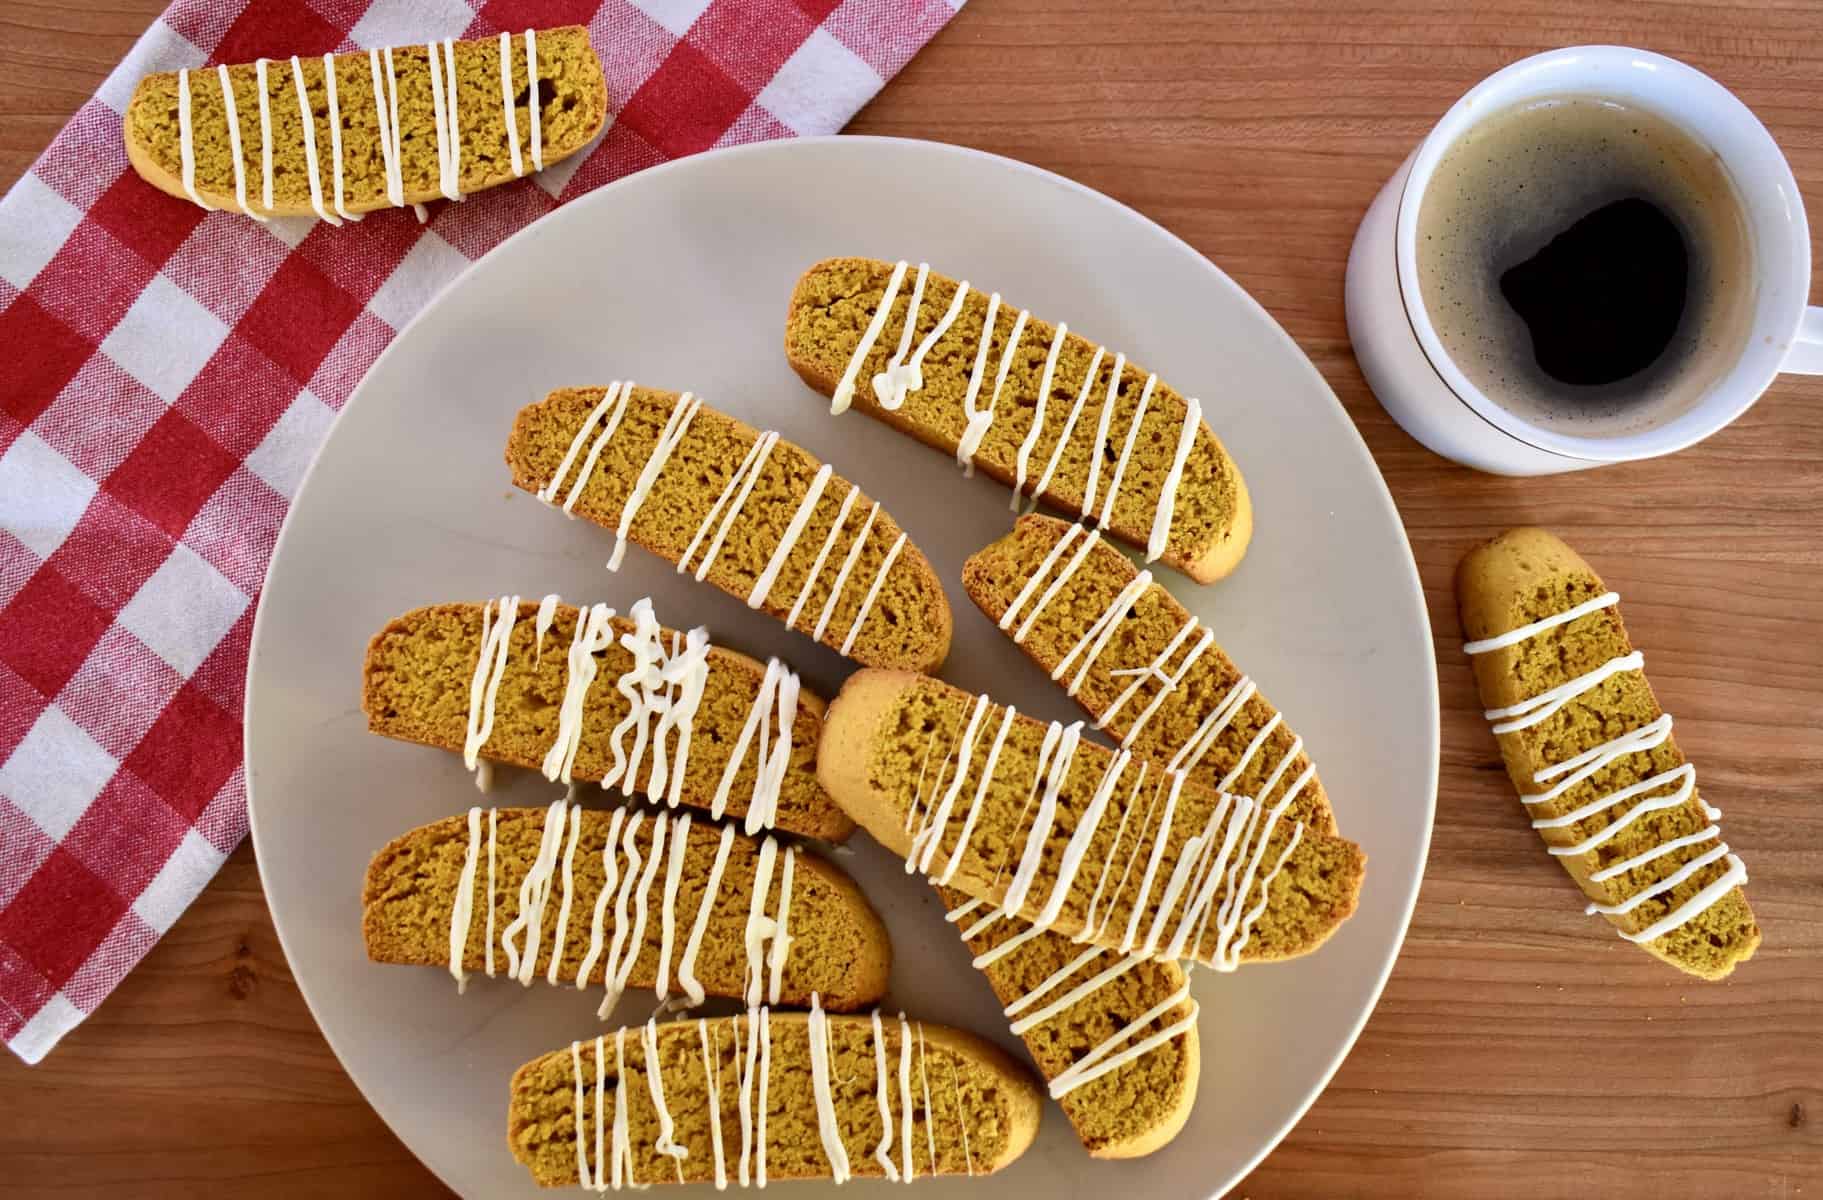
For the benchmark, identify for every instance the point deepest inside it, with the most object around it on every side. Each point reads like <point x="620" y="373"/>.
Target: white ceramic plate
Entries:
<point x="678" y="277"/>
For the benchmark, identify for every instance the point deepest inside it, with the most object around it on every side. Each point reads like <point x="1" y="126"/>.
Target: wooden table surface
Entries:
<point x="1520" y="1049"/>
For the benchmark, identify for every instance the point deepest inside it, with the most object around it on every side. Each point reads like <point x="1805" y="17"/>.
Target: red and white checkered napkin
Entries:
<point x="166" y="375"/>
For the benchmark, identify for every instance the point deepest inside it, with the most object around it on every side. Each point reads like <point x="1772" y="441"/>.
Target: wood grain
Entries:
<point x="1520" y="1049"/>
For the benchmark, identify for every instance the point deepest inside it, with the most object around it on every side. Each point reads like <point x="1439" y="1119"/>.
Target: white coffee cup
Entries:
<point x="1429" y="395"/>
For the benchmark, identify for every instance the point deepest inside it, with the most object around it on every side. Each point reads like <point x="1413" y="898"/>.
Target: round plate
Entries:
<point x="678" y="277"/>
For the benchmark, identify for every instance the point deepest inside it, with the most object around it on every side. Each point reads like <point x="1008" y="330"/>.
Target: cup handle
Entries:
<point x="1806" y="354"/>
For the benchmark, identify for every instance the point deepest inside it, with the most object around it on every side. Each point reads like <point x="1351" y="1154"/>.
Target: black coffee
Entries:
<point x="1585" y="264"/>
<point x="1604" y="298"/>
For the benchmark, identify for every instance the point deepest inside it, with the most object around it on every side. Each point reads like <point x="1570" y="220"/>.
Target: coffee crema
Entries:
<point x="1586" y="264"/>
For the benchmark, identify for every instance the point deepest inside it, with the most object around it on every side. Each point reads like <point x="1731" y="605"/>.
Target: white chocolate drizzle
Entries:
<point x="617" y="396"/>
<point x="841" y="580"/>
<point x="443" y="112"/>
<point x="1103" y="1058"/>
<point x="1227" y="857"/>
<point x="569" y="890"/>
<point x="1037" y="430"/>
<point x="617" y="1172"/>
<point x="622" y="1155"/>
<point x="1126" y="451"/>
<point x="675" y="427"/>
<point x="630" y="868"/>
<point x="655" y="1083"/>
<point x="1155" y="669"/>
<point x="547" y="612"/>
<point x="234" y="144"/>
<point x="883" y="1097"/>
<point x="386" y="112"/>
<point x="762" y="587"/>
<point x="1214" y="724"/>
<point x="1167" y="494"/>
<point x="531" y="74"/>
<point x="259" y="75"/>
<point x="493" y="830"/>
<point x="930" y="1112"/>
<point x="1069" y="427"/>
<point x="463" y="914"/>
<point x="978" y="421"/>
<point x="686" y="968"/>
<point x="490" y="669"/>
<point x="777" y="701"/>
<point x="627" y="955"/>
<point x="1513" y="637"/>
<point x="740" y="486"/>
<point x="760" y="928"/>
<point x="534" y="892"/>
<point x="593" y="633"/>
<point x="901" y="377"/>
<point x="1583" y="767"/>
<point x="307" y="122"/>
<point x="1096" y="638"/>
<point x="873" y="593"/>
<point x="910" y="376"/>
<point x="765" y="1040"/>
<point x="186" y="139"/>
<point x="335" y="138"/>
<point x="1102" y="630"/>
<point x="331" y="203"/>
<point x="816" y="567"/>
<point x="1089" y="926"/>
<point x="610" y="1166"/>
<point x="1052" y="574"/>
<point x="955" y="1083"/>
<point x="1124" y="1045"/>
<point x="506" y="103"/>
<point x="1543" y="706"/>
<point x="1103" y="422"/>
<point x="663" y="688"/>
<point x="908" y="1166"/>
<point x="890" y="385"/>
<point x="845" y="387"/>
<point x="582" y="1153"/>
<point x="1090" y="541"/>
<point x="724" y="514"/>
<point x="712" y="1082"/>
<point x="829" y="1131"/>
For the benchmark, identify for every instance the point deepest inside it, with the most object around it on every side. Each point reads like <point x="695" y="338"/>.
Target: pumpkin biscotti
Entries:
<point x="627" y="898"/>
<point x="584" y="694"/>
<point x="771" y="1096"/>
<point x="750" y="513"/>
<point x="1074" y="838"/>
<point x="1591" y="754"/>
<point x="1044" y="410"/>
<point x="339" y="135"/>
<point x="1114" y="1035"/>
<point x="1137" y="662"/>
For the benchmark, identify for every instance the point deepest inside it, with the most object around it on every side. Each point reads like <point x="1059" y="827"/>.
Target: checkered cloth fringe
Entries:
<point x="166" y="374"/>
